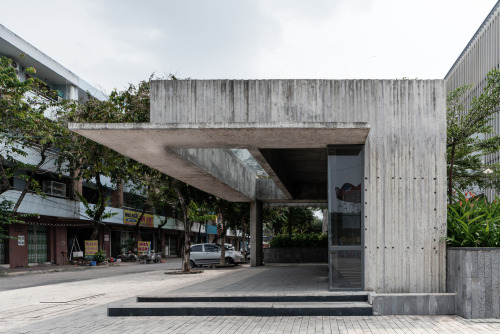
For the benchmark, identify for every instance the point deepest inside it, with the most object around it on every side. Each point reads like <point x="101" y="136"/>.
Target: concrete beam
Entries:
<point x="225" y="135"/>
<point x="270" y="163"/>
<point x="215" y="171"/>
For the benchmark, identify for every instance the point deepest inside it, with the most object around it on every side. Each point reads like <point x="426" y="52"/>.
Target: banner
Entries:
<point x="131" y="217"/>
<point x="143" y="246"/>
<point x="91" y="248"/>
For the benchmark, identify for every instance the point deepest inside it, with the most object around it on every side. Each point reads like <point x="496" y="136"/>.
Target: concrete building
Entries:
<point x="61" y="217"/>
<point x="479" y="56"/>
<point x="373" y="151"/>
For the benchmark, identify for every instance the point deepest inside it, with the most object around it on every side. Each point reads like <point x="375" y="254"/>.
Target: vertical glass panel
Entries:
<point x="346" y="178"/>
<point x="346" y="269"/>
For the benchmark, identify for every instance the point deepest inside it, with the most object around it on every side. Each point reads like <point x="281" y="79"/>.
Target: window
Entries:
<point x="196" y="249"/>
<point x="210" y="248"/>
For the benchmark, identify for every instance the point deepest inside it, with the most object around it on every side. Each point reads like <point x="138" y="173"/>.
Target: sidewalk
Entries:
<point x="53" y="268"/>
<point x="80" y="307"/>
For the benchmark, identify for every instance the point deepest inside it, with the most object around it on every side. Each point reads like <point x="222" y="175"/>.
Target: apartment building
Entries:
<point x="479" y="56"/>
<point x="61" y="221"/>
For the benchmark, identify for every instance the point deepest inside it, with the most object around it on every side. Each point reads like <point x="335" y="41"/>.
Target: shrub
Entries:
<point x="473" y="222"/>
<point x="300" y="240"/>
<point x="100" y="256"/>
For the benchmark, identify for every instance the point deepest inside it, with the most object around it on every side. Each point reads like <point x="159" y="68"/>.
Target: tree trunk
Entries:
<point x="27" y="187"/>
<point x="223" y="240"/>
<point x="137" y="227"/>
<point x="4" y="184"/>
<point x="290" y="221"/>
<point x="159" y="236"/>
<point x="101" y="206"/>
<point x="186" y="266"/>
<point x="244" y="235"/>
<point x="450" y="175"/>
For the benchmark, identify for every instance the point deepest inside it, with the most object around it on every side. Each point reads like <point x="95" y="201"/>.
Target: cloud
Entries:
<point x="115" y="42"/>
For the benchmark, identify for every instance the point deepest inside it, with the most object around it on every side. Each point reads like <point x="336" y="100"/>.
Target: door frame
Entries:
<point x="361" y="246"/>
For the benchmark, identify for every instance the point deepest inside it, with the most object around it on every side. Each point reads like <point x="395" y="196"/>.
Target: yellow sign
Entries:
<point x="143" y="246"/>
<point x="131" y="217"/>
<point x="91" y="247"/>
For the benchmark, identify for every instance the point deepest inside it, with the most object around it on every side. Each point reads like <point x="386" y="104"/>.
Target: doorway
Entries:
<point x="345" y="232"/>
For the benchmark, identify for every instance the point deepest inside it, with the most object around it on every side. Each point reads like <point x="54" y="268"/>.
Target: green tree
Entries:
<point x="275" y="218"/>
<point x="289" y="220"/>
<point x="24" y="129"/>
<point x="91" y="161"/>
<point x="229" y="215"/>
<point x="189" y="201"/>
<point x="466" y="136"/>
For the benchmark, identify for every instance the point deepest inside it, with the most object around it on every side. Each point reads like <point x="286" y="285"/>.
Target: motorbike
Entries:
<point x="151" y="257"/>
<point x="128" y="257"/>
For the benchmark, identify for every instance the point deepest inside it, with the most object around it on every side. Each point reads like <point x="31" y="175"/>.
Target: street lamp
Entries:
<point x="486" y="172"/>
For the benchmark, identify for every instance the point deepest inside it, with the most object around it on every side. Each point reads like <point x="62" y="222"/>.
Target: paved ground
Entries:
<point x="80" y="306"/>
<point x="29" y="277"/>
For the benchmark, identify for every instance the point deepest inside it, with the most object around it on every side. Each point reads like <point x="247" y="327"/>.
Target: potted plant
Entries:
<point x="100" y="256"/>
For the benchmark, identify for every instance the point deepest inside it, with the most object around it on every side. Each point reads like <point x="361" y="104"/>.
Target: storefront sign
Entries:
<point x="131" y="217"/>
<point x="91" y="247"/>
<point x="20" y="240"/>
<point x="143" y="246"/>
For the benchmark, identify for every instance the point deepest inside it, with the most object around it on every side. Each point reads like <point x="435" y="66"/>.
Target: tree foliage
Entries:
<point x="291" y="220"/>
<point x="26" y="129"/>
<point x="470" y="136"/>
<point x="473" y="221"/>
<point x="91" y="161"/>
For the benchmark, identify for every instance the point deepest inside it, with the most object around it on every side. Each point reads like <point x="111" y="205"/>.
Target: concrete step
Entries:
<point x="351" y="297"/>
<point x="241" y="309"/>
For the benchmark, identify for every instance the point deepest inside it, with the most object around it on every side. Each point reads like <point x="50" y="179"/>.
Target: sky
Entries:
<point x="112" y="43"/>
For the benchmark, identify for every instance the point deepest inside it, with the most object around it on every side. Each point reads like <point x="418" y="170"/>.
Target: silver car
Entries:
<point x="202" y="254"/>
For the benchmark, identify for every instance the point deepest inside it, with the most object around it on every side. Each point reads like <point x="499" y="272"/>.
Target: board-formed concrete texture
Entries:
<point x="413" y="303"/>
<point x="287" y="125"/>
<point x="474" y="275"/>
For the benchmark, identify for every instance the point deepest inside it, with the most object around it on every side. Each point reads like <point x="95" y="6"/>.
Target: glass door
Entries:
<point x="345" y="207"/>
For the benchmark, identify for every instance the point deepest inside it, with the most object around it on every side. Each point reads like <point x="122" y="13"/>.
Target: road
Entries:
<point x="54" y="275"/>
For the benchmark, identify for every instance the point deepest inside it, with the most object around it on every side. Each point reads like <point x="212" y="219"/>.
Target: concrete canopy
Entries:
<point x="187" y="152"/>
<point x="287" y="126"/>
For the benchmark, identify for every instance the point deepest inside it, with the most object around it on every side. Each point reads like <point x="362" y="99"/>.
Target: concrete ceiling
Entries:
<point x="294" y="155"/>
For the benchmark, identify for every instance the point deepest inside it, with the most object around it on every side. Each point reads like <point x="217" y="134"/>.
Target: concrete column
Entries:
<point x="18" y="248"/>
<point x="71" y="92"/>
<point x="256" y="209"/>
<point x="117" y="196"/>
<point x="59" y="244"/>
<point x="77" y="187"/>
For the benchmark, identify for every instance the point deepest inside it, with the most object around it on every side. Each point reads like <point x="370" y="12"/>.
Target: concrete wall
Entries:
<point x="412" y="303"/>
<point x="405" y="176"/>
<point x="474" y="275"/>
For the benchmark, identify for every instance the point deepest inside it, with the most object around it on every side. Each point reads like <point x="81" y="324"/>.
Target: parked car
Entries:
<point x="203" y="254"/>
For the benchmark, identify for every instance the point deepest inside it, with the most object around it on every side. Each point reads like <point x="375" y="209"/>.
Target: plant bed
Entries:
<point x="474" y="275"/>
<point x="473" y="260"/>
<point x="180" y="272"/>
<point x="296" y="255"/>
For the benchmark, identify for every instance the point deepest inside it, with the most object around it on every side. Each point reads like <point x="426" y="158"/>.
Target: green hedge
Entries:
<point x="473" y="222"/>
<point x="299" y="240"/>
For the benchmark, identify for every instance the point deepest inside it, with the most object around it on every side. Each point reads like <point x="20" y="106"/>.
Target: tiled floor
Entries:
<point x="63" y="307"/>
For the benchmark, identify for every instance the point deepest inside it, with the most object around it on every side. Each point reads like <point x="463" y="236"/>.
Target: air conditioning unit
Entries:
<point x="54" y="188"/>
<point x="14" y="64"/>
